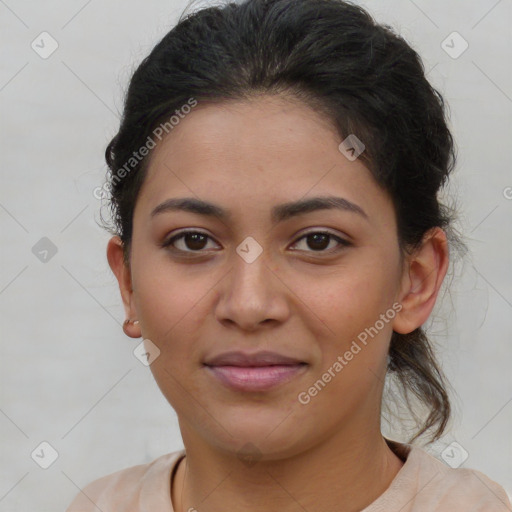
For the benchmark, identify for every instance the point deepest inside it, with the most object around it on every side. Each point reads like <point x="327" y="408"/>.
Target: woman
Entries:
<point x="278" y="244"/>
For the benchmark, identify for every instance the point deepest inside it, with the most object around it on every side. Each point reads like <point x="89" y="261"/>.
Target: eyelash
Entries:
<point x="342" y="243"/>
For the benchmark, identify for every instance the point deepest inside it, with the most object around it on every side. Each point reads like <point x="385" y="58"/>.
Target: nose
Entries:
<point x="251" y="295"/>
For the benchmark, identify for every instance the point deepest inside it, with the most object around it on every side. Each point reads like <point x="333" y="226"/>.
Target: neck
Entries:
<point x="342" y="473"/>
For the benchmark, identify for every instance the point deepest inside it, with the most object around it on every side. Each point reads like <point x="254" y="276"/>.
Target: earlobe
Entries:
<point x="424" y="273"/>
<point x="115" y="257"/>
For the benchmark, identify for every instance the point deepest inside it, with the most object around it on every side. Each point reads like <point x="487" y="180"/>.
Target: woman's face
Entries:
<point x="253" y="281"/>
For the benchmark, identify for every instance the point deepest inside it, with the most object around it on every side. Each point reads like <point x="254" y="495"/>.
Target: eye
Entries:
<point x="190" y="241"/>
<point x="193" y="241"/>
<point x="318" y="241"/>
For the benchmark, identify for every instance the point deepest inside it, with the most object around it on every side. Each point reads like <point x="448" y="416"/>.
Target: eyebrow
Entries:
<point x="279" y="212"/>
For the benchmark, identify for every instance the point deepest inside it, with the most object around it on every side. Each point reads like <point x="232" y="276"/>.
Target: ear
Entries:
<point x="423" y="275"/>
<point x="123" y="274"/>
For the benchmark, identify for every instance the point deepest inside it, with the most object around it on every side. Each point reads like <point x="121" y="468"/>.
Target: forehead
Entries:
<point x="269" y="127"/>
<point x="253" y="153"/>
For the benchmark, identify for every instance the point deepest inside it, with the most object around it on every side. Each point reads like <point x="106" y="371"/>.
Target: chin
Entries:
<point x="264" y="434"/>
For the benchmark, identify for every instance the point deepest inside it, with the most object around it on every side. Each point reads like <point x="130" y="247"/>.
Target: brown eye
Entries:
<point x="189" y="241"/>
<point x="319" y="241"/>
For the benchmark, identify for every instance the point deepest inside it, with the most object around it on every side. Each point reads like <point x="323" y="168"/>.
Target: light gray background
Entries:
<point x="68" y="374"/>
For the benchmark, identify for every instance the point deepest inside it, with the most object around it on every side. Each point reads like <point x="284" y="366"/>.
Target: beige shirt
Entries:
<point x="423" y="484"/>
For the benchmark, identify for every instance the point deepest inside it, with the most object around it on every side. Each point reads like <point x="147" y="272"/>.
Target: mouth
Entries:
<point x="254" y="372"/>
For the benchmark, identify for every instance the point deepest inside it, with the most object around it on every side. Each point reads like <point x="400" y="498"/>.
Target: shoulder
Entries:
<point x="129" y="488"/>
<point x="451" y="489"/>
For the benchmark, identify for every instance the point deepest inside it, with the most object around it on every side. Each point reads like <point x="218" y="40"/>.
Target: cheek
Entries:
<point x="352" y="366"/>
<point x="356" y="306"/>
<point x="172" y="308"/>
<point x="351" y="300"/>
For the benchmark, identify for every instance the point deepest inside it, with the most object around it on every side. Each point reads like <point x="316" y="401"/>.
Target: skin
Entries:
<point x="311" y="304"/>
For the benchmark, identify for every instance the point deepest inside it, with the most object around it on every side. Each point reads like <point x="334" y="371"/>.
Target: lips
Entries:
<point x="257" y="359"/>
<point x="260" y="371"/>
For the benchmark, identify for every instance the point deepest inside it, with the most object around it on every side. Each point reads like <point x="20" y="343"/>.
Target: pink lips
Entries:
<point x="254" y="372"/>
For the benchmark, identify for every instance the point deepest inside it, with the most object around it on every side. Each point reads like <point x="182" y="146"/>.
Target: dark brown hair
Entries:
<point x="332" y="55"/>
